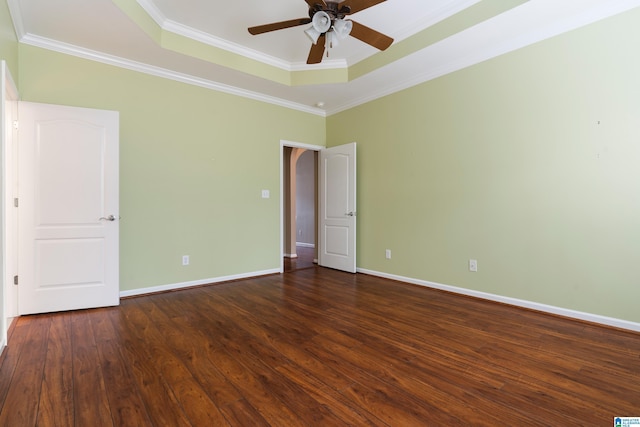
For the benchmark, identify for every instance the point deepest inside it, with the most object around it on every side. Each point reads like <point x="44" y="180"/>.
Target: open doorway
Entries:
<point x="300" y="195"/>
<point x="335" y="238"/>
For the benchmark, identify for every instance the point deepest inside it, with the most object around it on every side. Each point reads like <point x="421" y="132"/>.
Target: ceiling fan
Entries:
<point x="328" y="25"/>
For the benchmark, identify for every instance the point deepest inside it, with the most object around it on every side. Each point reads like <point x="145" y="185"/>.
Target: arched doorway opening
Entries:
<point x="300" y="230"/>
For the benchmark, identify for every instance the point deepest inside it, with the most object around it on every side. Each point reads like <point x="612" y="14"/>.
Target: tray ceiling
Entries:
<point x="206" y="42"/>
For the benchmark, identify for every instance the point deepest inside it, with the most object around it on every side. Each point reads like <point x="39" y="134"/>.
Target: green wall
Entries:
<point x="8" y="40"/>
<point x="529" y="163"/>
<point x="193" y="163"/>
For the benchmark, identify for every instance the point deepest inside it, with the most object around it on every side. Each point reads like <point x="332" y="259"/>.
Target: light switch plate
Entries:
<point x="265" y="194"/>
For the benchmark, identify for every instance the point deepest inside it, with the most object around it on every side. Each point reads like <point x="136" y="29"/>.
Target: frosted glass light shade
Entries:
<point x="313" y="34"/>
<point x="321" y="21"/>
<point x="342" y="28"/>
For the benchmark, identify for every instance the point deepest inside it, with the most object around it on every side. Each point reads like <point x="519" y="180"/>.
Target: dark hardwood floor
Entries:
<point x="305" y="259"/>
<point x="315" y="347"/>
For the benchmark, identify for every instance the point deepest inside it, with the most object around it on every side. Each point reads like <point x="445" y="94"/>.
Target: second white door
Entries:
<point x="337" y="207"/>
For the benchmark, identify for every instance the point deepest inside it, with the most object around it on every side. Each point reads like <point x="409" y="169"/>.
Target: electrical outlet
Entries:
<point x="387" y="253"/>
<point x="185" y="259"/>
<point x="473" y="265"/>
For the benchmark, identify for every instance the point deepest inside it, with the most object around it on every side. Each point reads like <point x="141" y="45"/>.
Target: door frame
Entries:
<point x="8" y="180"/>
<point x="292" y="144"/>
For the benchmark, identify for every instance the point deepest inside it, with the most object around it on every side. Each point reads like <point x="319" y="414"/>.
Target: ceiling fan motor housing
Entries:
<point x="332" y="9"/>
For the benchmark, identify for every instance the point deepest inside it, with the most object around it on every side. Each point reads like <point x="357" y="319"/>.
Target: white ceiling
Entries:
<point x="102" y="31"/>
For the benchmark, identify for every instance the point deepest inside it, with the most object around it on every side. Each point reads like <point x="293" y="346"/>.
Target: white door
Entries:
<point x="337" y="208"/>
<point x="68" y="208"/>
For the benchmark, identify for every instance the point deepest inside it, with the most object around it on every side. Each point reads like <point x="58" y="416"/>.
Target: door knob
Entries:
<point x="350" y="214"/>
<point x="109" y="218"/>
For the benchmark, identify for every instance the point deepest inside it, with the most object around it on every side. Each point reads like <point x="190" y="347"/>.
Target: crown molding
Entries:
<point x="481" y="51"/>
<point x="206" y="38"/>
<point x="491" y="50"/>
<point x="69" y="49"/>
<point x="203" y="37"/>
<point x="211" y="40"/>
<point x="336" y="65"/>
<point x="16" y="17"/>
<point x="153" y="11"/>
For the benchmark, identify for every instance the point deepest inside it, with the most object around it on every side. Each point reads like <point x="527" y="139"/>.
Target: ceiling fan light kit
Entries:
<point x="328" y="26"/>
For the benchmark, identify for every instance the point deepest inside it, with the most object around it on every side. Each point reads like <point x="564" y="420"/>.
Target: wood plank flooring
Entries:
<point x="315" y="347"/>
<point x="304" y="259"/>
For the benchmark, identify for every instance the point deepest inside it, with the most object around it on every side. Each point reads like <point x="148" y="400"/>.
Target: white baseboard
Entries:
<point x="305" y="245"/>
<point x="174" y="286"/>
<point x="594" y="318"/>
<point x="290" y="255"/>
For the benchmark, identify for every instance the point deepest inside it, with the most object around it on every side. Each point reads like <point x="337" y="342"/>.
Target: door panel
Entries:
<point x="68" y="175"/>
<point x="62" y="198"/>
<point x="337" y="207"/>
<point x="51" y="256"/>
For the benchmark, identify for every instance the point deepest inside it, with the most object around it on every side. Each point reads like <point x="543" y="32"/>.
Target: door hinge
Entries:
<point x="15" y="280"/>
<point x="15" y="202"/>
<point x="15" y="124"/>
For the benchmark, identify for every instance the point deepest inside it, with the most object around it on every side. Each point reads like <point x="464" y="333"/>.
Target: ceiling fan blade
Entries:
<point x="317" y="51"/>
<point x="358" y="5"/>
<point x="278" y="25"/>
<point x="370" y="36"/>
<point x="312" y="3"/>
